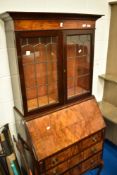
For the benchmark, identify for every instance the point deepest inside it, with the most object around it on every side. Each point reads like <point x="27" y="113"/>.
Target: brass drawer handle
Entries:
<point x="93" y="150"/>
<point x="55" y="172"/>
<point x="54" y="161"/>
<point x="92" y="162"/>
<point x="94" y="139"/>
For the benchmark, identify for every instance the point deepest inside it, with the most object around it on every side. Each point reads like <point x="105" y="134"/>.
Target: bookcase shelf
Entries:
<point x="109" y="111"/>
<point x="109" y="77"/>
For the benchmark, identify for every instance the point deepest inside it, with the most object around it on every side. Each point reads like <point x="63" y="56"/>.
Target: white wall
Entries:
<point x="73" y="6"/>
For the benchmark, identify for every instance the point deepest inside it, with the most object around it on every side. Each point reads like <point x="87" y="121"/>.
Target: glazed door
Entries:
<point x="79" y="63"/>
<point x="40" y="69"/>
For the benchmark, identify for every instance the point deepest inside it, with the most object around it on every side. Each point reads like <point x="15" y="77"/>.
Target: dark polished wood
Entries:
<point x="24" y="34"/>
<point x="54" y="15"/>
<point x="84" y="84"/>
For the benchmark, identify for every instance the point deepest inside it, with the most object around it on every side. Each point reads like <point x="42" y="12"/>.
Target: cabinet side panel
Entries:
<point x="12" y="54"/>
<point x="27" y="155"/>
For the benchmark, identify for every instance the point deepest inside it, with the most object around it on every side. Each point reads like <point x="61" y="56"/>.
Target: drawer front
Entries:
<point x="58" y="158"/>
<point x="62" y="156"/>
<point x="92" y="150"/>
<point x="91" y="162"/>
<point x="92" y="140"/>
<point x="86" y="165"/>
<point x="75" y="171"/>
<point x="60" y="169"/>
<point x="75" y="160"/>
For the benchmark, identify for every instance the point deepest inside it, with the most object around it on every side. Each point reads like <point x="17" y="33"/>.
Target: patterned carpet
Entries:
<point x="110" y="160"/>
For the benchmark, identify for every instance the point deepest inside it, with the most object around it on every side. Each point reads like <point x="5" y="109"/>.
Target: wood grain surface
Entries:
<point x="52" y="24"/>
<point x="58" y="130"/>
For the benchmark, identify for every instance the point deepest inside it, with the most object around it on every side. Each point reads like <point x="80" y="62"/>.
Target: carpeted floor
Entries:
<point x="110" y="160"/>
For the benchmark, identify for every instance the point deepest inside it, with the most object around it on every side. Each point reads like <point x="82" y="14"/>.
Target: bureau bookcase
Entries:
<point x="59" y="125"/>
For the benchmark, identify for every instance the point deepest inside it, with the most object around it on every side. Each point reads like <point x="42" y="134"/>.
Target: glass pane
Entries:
<point x="40" y="52"/>
<point x="31" y="94"/>
<point x="70" y="86"/>
<point x="52" y="92"/>
<point x="51" y="52"/>
<point x="39" y="58"/>
<point x="27" y="53"/>
<point x="43" y="95"/>
<point x="78" y="65"/>
<point x="29" y="75"/>
<point x="52" y="72"/>
<point x="41" y="72"/>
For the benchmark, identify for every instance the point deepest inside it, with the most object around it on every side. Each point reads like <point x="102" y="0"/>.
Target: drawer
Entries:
<point x="92" y="150"/>
<point x="75" y="160"/>
<point x="92" y="162"/>
<point x="62" y="156"/>
<point x="75" y="171"/>
<point x="60" y="169"/>
<point x="92" y="140"/>
<point x="86" y="165"/>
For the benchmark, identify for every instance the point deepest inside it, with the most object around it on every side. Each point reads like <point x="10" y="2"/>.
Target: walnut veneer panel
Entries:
<point x="52" y="24"/>
<point x="58" y="130"/>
